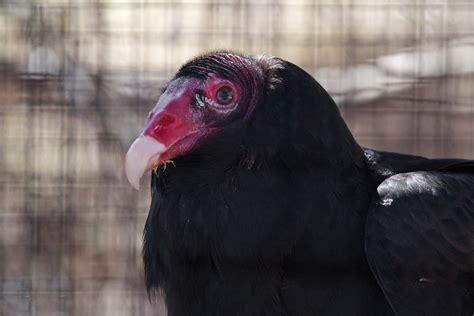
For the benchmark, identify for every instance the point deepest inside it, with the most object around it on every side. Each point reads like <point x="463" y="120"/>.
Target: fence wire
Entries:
<point x="78" y="77"/>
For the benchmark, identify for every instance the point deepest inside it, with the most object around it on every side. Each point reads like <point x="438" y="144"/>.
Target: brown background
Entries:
<point x="78" y="77"/>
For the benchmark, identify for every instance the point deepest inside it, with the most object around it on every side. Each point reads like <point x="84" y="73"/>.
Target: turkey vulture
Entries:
<point x="264" y="204"/>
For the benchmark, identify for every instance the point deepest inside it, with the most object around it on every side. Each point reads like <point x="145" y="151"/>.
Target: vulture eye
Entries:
<point x="224" y="95"/>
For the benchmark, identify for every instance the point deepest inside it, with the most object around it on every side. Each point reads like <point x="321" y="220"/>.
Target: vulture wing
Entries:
<point x="420" y="241"/>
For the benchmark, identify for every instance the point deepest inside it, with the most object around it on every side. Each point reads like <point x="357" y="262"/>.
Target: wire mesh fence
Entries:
<point x="77" y="79"/>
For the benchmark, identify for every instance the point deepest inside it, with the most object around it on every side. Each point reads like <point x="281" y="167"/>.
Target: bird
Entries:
<point x="263" y="203"/>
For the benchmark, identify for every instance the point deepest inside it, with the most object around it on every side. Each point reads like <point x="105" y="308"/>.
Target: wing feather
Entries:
<point x="420" y="242"/>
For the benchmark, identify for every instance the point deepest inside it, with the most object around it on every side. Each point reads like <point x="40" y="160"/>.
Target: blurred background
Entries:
<point x="78" y="78"/>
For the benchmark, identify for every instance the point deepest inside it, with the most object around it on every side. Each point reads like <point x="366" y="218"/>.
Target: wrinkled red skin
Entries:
<point x="179" y="123"/>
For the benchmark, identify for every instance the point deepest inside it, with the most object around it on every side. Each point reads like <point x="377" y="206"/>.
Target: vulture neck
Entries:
<point x="335" y="160"/>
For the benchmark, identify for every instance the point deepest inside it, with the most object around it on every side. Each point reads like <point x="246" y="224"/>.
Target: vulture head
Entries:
<point x="243" y="107"/>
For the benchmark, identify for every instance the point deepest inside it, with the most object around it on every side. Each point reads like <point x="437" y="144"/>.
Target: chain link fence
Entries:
<point x="78" y="77"/>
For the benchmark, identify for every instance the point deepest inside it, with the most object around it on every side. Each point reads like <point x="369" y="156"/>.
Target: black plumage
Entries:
<point x="281" y="212"/>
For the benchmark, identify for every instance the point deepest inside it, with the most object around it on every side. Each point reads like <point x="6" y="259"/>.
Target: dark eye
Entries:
<point x="224" y="95"/>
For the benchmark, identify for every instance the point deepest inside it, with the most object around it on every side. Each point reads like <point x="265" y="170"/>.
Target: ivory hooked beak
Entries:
<point x="142" y="156"/>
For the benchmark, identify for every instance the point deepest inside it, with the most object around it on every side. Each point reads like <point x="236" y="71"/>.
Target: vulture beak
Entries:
<point x="143" y="155"/>
<point x="170" y="130"/>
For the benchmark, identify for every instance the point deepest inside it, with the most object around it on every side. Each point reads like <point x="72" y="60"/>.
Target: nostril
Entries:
<point x="164" y="120"/>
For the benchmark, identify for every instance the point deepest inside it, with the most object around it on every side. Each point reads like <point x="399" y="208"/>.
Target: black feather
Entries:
<point x="268" y="216"/>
